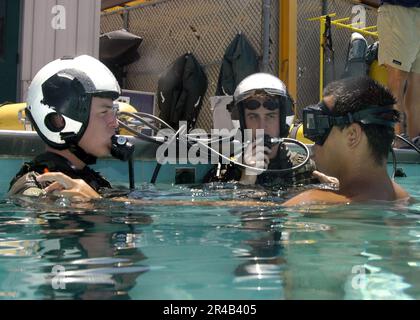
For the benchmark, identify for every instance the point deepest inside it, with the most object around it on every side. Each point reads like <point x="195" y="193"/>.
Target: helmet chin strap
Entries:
<point x="121" y="149"/>
<point x="72" y="142"/>
<point x="82" y="154"/>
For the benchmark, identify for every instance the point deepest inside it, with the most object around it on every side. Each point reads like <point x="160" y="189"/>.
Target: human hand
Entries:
<point x="257" y="156"/>
<point x="63" y="185"/>
<point x="323" y="178"/>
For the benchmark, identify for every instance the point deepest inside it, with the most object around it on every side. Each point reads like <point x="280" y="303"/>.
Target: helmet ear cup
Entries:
<point x="233" y="110"/>
<point x="287" y="110"/>
<point x="55" y="122"/>
<point x="284" y="128"/>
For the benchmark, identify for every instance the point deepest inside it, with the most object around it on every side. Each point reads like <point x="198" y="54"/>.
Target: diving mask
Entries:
<point x="318" y="120"/>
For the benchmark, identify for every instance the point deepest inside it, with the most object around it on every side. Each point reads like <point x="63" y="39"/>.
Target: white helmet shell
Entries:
<point x="93" y="77"/>
<point x="259" y="82"/>
<point x="270" y="85"/>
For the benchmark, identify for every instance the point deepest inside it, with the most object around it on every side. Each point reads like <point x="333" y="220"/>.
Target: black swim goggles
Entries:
<point x="318" y="120"/>
<point x="253" y="104"/>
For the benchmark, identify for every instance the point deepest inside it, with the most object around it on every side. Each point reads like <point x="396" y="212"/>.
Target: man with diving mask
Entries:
<point x="353" y="131"/>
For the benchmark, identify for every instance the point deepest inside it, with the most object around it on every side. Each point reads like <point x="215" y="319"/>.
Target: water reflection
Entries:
<point x="80" y="254"/>
<point x="49" y="251"/>
<point x="263" y="260"/>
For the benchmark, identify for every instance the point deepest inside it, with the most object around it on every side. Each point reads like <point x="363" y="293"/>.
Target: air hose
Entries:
<point x="204" y="143"/>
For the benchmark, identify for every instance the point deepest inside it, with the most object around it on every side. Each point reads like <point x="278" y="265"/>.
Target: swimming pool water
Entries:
<point x="126" y="251"/>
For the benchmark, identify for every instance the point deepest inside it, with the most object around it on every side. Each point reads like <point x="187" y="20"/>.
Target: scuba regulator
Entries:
<point x="121" y="148"/>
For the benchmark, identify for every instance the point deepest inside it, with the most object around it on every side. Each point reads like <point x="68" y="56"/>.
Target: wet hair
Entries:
<point x="354" y="94"/>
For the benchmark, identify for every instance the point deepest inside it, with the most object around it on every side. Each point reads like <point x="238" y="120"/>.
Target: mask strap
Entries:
<point x="370" y="115"/>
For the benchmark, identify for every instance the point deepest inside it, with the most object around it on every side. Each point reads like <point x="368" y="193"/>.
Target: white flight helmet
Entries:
<point x="60" y="96"/>
<point x="267" y="84"/>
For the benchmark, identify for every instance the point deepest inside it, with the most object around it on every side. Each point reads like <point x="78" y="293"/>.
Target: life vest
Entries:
<point x="239" y="61"/>
<point x="181" y="90"/>
<point x="287" y="159"/>
<point x="51" y="162"/>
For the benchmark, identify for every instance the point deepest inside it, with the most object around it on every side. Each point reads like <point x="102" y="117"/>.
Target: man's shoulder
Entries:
<point x="52" y="160"/>
<point x="314" y="196"/>
<point x="400" y="192"/>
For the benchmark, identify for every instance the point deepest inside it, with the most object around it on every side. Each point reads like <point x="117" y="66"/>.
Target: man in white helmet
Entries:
<point x="261" y="101"/>
<point x="71" y="106"/>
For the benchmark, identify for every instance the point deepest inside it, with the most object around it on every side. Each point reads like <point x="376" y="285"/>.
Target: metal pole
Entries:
<point x="321" y="46"/>
<point x="321" y="56"/>
<point x="131" y="178"/>
<point x="126" y="27"/>
<point x="324" y="7"/>
<point x="125" y="19"/>
<point x="266" y="35"/>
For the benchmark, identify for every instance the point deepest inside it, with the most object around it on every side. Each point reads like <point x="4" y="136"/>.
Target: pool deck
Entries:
<point x="27" y="144"/>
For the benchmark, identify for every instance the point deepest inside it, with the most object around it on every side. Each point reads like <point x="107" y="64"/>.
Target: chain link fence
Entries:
<point x="203" y="27"/>
<point x="170" y="28"/>
<point x="308" y="44"/>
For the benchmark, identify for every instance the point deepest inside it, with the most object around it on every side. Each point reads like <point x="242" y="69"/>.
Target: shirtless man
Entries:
<point x="353" y="129"/>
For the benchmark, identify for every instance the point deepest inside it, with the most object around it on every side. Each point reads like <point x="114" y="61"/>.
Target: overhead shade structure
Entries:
<point x="106" y="4"/>
<point x="118" y="49"/>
